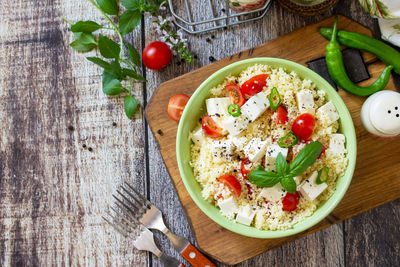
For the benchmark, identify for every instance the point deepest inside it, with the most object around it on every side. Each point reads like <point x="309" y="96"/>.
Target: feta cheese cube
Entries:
<point x="309" y="189"/>
<point x="228" y="206"/>
<point x="255" y="149"/>
<point x="297" y="179"/>
<point x="272" y="194"/>
<point x="271" y="155"/>
<point x="217" y="105"/>
<point x="245" y="215"/>
<point x="235" y="125"/>
<point x="327" y="113"/>
<point x="222" y="150"/>
<point x="336" y="144"/>
<point x="255" y="106"/>
<point x="305" y="101"/>
<point x="197" y="136"/>
<point x="238" y="142"/>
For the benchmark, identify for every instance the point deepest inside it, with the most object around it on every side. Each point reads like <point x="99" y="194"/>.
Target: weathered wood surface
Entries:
<point x="53" y="190"/>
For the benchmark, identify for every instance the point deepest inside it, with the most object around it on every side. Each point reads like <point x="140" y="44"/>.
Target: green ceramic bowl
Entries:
<point x="196" y="108"/>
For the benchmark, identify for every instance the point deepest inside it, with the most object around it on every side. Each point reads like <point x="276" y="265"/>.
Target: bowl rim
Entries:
<point x="312" y="220"/>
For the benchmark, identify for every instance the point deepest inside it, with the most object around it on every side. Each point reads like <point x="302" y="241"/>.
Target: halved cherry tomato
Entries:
<point x="231" y="182"/>
<point x="290" y="201"/>
<point x="210" y="127"/>
<point x="281" y="117"/>
<point x="303" y="126"/>
<point x="235" y="95"/>
<point x="254" y="85"/>
<point x="322" y="152"/>
<point x="243" y="169"/>
<point x="176" y="104"/>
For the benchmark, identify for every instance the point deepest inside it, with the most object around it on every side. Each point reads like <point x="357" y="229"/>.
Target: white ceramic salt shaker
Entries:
<point x="380" y="113"/>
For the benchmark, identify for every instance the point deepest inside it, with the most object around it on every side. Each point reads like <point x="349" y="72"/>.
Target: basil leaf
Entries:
<point x="263" y="178"/>
<point x="130" y="106"/>
<point x="108" y="6"/>
<point x="108" y="48"/>
<point x="289" y="184"/>
<point x="133" y="55"/>
<point x="131" y="4"/>
<point x="116" y="67"/>
<point x="111" y="85"/>
<point x="85" y="38"/>
<point x="281" y="165"/>
<point x="306" y="157"/>
<point x="132" y="74"/>
<point x="81" y="47"/>
<point x="129" y="20"/>
<point x="259" y="168"/>
<point x="85" y="26"/>
<point x="100" y="62"/>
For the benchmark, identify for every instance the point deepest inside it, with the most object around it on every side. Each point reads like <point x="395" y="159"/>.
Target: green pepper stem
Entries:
<point x="335" y="30"/>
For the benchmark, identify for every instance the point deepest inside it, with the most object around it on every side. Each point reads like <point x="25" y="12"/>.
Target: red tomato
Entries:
<point x="156" y="55"/>
<point x="254" y="85"/>
<point x="235" y="95"/>
<point x="210" y="127"/>
<point x="176" y="104"/>
<point x="281" y="117"/>
<point x="243" y="169"/>
<point x="231" y="182"/>
<point x="322" y="152"/>
<point x="290" y="201"/>
<point x="303" y="126"/>
<point x="249" y="192"/>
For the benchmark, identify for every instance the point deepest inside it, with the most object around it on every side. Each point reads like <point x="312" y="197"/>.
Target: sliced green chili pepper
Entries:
<point x="337" y="71"/>
<point x="274" y="99"/>
<point x="384" y="52"/>
<point x="234" y="110"/>
<point x="288" y="140"/>
<point x="323" y="175"/>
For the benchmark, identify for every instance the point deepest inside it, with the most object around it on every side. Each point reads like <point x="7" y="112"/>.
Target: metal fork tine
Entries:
<point x="128" y="212"/>
<point x="139" y="195"/>
<point x="125" y="219"/>
<point x="131" y="195"/>
<point x="118" y="225"/>
<point x="137" y="208"/>
<point x="115" y="227"/>
<point x="128" y="209"/>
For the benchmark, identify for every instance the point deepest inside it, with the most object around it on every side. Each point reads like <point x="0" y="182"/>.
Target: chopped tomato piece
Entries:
<point x="249" y="192"/>
<point x="322" y="152"/>
<point x="176" y="105"/>
<point x="303" y="126"/>
<point x="235" y="95"/>
<point x="290" y="201"/>
<point x="243" y="169"/>
<point x="210" y="127"/>
<point x="281" y="117"/>
<point x="254" y="85"/>
<point x="231" y="182"/>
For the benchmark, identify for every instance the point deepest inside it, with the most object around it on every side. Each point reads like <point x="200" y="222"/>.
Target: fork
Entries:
<point x="143" y="238"/>
<point x="151" y="217"/>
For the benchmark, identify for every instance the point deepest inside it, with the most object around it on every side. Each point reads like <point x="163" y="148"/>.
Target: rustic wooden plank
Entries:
<point x="61" y="156"/>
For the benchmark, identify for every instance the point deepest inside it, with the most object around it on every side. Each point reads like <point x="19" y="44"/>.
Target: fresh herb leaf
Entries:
<point x="263" y="178"/>
<point x="100" y="62"/>
<point x="85" y="26"/>
<point x="289" y="184"/>
<point x="81" y="47"/>
<point x="132" y="74"/>
<point x="116" y="68"/>
<point x="111" y="84"/>
<point x="306" y="157"/>
<point x="129" y="20"/>
<point x="132" y="4"/>
<point x="108" y="6"/>
<point x="85" y="38"/>
<point x="282" y="167"/>
<point x="133" y="55"/>
<point x="130" y="106"/>
<point x="108" y="48"/>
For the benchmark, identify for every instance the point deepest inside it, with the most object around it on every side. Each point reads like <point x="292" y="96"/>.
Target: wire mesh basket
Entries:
<point x="198" y="16"/>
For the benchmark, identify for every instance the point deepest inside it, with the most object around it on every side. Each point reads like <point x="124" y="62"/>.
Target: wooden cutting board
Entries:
<point x="376" y="179"/>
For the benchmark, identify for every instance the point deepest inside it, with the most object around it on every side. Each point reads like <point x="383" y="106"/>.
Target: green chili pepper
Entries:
<point x="323" y="175"/>
<point x="285" y="141"/>
<point x="234" y="110"/>
<point x="384" y="52"/>
<point x="274" y="99"/>
<point x="337" y="71"/>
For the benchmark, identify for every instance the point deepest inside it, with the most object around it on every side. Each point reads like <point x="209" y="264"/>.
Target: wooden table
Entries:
<point x="65" y="147"/>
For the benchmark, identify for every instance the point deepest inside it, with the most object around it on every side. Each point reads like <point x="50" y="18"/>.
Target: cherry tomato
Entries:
<point x="281" y="117"/>
<point x="303" y="126"/>
<point x="156" y="55"/>
<point x="322" y="152"/>
<point x="210" y="127"/>
<point x="231" y="182"/>
<point x="176" y="104"/>
<point x="254" y="85"/>
<point x="290" y="201"/>
<point x="235" y="95"/>
<point x="243" y="169"/>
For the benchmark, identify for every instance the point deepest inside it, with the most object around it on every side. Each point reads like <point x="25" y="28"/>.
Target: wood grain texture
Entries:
<point x="53" y="191"/>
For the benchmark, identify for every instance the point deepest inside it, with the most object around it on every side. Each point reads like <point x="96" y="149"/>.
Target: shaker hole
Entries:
<point x="397" y="115"/>
<point x="396" y="108"/>
<point x="389" y="111"/>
